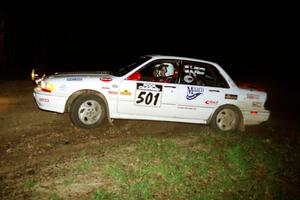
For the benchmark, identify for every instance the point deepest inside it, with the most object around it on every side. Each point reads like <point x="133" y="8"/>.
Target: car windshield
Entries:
<point x="140" y="60"/>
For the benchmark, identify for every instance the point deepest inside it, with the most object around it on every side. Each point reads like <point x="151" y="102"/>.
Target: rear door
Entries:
<point x="200" y="90"/>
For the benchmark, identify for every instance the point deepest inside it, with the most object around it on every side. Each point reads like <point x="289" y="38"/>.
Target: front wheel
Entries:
<point x="88" y="111"/>
<point x="226" y="119"/>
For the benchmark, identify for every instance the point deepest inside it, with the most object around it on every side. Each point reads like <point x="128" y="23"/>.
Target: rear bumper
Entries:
<point x="255" y="118"/>
<point x="49" y="102"/>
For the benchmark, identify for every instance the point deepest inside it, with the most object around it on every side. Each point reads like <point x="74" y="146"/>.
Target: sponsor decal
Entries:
<point x="113" y="92"/>
<point x="62" y="87"/>
<point x="74" y="79"/>
<point x="114" y="86"/>
<point x="231" y="96"/>
<point x="257" y="104"/>
<point x="148" y="94"/>
<point x="105" y="78"/>
<point x="191" y="69"/>
<point x="148" y="87"/>
<point x="188" y="78"/>
<point x="125" y="92"/>
<point x="193" y="92"/>
<point x="105" y="87"/>
<point x="186" y="108"/>
<point x="211" y="102"/>
<point x="44" y="100"/>
<point x="252" y="96"/>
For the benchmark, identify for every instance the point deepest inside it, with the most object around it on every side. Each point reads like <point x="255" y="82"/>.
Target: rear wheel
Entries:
<point x="226" y="119"/>
<point x="88" y="111"/>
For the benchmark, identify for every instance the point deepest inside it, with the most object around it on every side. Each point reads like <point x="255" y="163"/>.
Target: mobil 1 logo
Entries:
<point x="148" y="94"/>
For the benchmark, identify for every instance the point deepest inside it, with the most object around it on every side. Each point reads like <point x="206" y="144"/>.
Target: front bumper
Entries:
<point x="49" y="102"/>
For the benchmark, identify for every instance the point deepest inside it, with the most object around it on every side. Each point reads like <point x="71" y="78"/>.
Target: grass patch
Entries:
<point x="54" y="196"/>
<point x="208" y="166"/>
<point x="84" y="165"/>
<point x="69" y="180"/>
<point x="103" y="194"/>
<point x="200" y="165"/>
<point x="29" y="184"/>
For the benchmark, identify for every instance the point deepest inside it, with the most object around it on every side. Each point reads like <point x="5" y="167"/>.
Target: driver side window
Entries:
<point x="160" y="71"/>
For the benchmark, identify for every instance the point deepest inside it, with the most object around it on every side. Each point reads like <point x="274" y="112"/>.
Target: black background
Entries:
<point x="256" y="43"/>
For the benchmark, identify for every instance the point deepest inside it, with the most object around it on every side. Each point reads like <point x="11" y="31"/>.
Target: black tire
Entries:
<point x="226" y="119"/>
<point x="88" y="111"/>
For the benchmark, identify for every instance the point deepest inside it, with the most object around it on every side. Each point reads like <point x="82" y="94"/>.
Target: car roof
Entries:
<point x="157" y="56"/>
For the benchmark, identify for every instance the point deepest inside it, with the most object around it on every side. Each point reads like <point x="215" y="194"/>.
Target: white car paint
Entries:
<point x="169" y="101"/>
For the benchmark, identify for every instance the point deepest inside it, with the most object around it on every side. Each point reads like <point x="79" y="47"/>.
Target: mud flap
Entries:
<point x="110" y="121"/>
<point x="242" y="125"/>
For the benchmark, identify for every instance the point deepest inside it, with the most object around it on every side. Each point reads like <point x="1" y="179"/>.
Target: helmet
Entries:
<point x="170" y="69"/>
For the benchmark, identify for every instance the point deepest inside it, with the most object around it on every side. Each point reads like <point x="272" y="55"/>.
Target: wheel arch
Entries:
<point x="241" y="126"/>
<point x="80" y="92"/>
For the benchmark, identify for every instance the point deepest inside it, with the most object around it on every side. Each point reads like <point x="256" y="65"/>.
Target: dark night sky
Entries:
<point x="255" y="43"/>
<point x="252" y="42"/>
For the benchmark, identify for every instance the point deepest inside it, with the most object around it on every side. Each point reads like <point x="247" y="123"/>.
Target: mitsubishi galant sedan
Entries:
<point x="154" y="87"/>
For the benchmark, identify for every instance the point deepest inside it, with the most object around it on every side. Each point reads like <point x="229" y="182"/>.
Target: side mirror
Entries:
<point x="136" y="76"/>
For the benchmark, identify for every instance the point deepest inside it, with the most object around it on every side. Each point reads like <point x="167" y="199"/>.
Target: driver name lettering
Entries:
<point x="191" y="69"/>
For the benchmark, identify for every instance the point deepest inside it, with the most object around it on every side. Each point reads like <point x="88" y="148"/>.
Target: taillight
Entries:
<point x="250" y="86"/>
<point x="47" y="87"/>
<point x="253" y="112"/>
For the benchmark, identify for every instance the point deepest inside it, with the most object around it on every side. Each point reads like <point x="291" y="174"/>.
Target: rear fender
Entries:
<point x="241" y="125"/>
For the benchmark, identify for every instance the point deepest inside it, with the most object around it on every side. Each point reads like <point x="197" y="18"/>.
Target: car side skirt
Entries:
<point x="139" y="117"/>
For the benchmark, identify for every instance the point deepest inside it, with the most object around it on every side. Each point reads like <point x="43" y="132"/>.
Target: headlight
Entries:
<point x="47" y="87"/>
<point x="33" y="74"/>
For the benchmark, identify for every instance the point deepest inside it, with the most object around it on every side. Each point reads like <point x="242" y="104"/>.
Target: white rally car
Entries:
<point x="154" y="87"/>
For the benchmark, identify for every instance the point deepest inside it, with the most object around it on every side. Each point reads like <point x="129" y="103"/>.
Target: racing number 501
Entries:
<point x="148" y="99"/>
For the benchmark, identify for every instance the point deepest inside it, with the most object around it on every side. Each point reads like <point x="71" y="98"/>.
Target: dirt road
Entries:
<point x="32" y="140"/>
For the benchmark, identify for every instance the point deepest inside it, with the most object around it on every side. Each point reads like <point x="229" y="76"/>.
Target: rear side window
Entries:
<point x="202" y="74"/>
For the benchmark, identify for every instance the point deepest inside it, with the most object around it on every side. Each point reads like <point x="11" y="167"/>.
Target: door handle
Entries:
<point x="214" y="90"/>
<point x="167" y="86"/>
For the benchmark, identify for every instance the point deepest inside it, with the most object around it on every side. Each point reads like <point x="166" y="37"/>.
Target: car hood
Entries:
<point x="78" y="76"/>
<point x="81" y="73"/>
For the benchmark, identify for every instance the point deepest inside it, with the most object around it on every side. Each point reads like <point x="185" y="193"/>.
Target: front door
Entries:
<point x="149" y="97"/>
